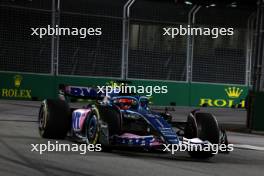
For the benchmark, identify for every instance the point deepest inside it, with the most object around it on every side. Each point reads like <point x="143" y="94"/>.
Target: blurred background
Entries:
<point x="196" y="69"/>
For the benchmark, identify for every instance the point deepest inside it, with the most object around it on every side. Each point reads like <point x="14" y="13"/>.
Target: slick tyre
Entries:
<point x="206" y="128"/>
<point x="92" y="127"/>
<point x="112" y="116"/>
<point x="54" y="119"/>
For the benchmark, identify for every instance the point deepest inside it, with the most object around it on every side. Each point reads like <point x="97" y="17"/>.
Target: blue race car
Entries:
<point x="125" y="121"/>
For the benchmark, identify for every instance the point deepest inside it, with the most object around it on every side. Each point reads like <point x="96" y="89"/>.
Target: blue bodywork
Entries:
<point x="154" y="119"/>
<point x="158" y="123"/>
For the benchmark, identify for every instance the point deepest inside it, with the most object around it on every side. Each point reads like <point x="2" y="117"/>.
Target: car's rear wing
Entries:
<point x="81" y="92"/>
<point x="94" y="93"/>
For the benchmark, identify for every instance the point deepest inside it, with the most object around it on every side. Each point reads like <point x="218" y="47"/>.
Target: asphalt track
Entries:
<point x="18" y="130"/>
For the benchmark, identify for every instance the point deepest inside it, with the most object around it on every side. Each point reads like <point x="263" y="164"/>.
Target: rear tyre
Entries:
<point x="204" y="127"/>
<point x="54" y="119"/>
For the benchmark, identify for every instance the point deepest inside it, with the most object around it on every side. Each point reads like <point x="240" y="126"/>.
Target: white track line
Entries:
<point x="249" y="147"/>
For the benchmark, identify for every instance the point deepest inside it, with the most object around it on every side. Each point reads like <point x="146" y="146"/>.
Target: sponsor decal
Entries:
<point x="232" y="99"/>
<point x="137" y="141"/>
<point x="83" y="92"/>
<point x="16" y="92"/>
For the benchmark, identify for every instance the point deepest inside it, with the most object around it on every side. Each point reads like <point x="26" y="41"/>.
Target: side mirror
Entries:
<point x="166" y="115"/>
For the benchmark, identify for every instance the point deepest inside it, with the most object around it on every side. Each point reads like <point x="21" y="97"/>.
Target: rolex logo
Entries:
<point x="17" y="80"/>
<point x="233" y="92"/>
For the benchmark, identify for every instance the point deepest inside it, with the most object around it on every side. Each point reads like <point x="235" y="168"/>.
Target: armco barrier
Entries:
<point x="31" y="86"/>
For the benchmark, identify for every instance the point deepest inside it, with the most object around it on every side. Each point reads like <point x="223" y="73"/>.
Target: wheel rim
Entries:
<point x="92" y="129"/>
<point x="42" y="118"/>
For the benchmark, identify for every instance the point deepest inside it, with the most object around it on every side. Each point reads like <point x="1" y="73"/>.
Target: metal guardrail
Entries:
<point x="132" y="45"/>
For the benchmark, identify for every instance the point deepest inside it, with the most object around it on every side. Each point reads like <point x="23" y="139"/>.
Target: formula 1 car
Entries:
<point x="124" y="120"/>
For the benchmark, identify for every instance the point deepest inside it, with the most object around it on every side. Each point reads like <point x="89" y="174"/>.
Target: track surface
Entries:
<point x="18" y="130"/>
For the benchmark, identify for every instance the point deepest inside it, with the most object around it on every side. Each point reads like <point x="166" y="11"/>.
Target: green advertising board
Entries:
<point x="31" y="86"/>
<point x="214" y="95"/>
<point x="26" y="86"/>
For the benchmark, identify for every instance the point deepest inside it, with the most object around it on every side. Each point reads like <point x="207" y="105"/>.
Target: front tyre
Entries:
<point x="206" y="128"/>
<point x="92" y="127"/>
